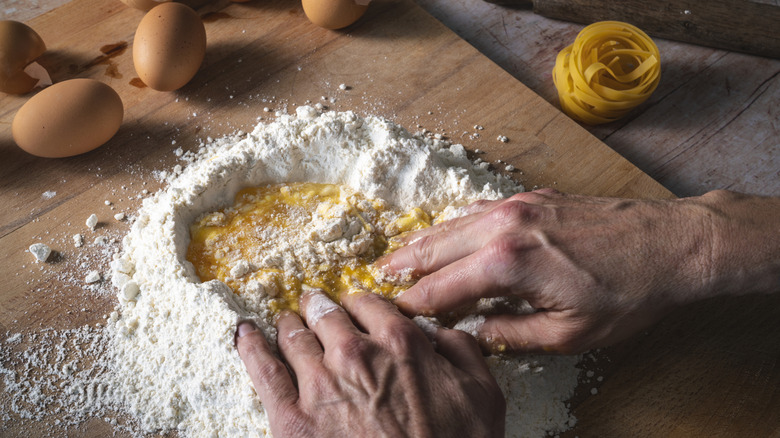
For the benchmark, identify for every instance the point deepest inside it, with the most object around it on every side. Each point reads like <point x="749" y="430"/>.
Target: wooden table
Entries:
<point x="713" y="123"/>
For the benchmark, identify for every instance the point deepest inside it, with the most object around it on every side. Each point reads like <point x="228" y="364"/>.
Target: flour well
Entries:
<point x="169" y="361"/>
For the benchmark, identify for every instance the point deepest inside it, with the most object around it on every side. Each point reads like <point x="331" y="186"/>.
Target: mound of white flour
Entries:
<point x="174" y="365"/>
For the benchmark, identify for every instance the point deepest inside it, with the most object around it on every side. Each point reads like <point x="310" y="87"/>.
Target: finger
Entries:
<point x="299" y="346"/>
<point x="462" y="350"/>
<point x="473" y="212"/>
<point x="386" y="325"/>
<point x="447" y="225"/>
<point x="434" y="251"/>
<point x="272" y="381"/>
<point x="482" y="205"/>
<point x="455" y="286"/>
<point x="509" y="264"/>
<point x="538" y="197"/>
<point x="541" y="332"/>
<point x="373" y="312"/>
<point x="431" y="253"/>
<point x="329" y="321"/>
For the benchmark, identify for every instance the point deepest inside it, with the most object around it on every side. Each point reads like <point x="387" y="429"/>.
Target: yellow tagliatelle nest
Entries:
<point x="609" y="69"/>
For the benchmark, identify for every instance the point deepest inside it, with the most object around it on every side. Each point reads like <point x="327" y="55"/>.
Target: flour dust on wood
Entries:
<point x="166" y="361"/>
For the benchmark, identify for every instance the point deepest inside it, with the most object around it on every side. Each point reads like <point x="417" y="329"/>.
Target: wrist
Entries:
<point x="743" y="255"/>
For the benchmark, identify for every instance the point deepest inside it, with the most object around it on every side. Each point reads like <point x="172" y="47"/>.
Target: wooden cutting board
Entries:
<point x="400" y="63"/>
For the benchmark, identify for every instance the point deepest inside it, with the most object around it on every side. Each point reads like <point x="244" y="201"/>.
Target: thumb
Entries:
<point x="540" y="332"/>
<point x="272" y="381"/>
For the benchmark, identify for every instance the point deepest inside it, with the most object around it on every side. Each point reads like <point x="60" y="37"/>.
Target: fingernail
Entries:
<point x="245" y="328"/>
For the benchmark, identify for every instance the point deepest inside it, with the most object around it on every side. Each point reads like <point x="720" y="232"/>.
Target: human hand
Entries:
<point x="376" y="376"/>
<point x="596" y="269"/>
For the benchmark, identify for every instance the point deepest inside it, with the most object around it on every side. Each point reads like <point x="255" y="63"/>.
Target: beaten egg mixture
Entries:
<point x="277" y="239"/>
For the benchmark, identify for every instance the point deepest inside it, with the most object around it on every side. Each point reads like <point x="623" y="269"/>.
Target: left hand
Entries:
<point x="376" y="376"/>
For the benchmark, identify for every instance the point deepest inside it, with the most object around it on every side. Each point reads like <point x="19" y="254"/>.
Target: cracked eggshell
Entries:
<point x="68" y="118"/>
<point x="334" y="14"/>
<point x="20" y="45"/>
<point x="169" y="46"/>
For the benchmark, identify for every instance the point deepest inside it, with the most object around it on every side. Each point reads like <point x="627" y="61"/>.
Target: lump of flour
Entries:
<point x="171" y="340"/>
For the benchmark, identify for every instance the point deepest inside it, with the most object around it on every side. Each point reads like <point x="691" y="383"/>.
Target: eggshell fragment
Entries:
<point x="68" y="118"/>
<point x="169" y="46"/>
<point x="19" y="46"/>
<point x="143" y="5"/>
<point x="334" y="14"/>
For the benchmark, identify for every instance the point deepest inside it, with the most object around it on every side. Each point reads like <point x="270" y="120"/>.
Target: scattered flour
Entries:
<point x="41" y="251"/>
<point x="92" y="221"/>
<point x="166" y="360"/>
<point x="92" y="277"/>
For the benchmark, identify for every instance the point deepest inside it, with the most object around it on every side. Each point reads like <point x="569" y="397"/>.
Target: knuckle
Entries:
<point x="478" y="205"/>
<point x="424" y="251"/>
<point x="352" y="349"/>
<point x="508" y="246"/>
<point x="250" y="349"/>
<point x="268" y="369"/>
<point x="316" y="384"/>
<point x="372" y="299"/>
<point x="401" y="335"/>
<point x="292" y="339"/>
<point x="418" y="255"/>
<point x="514" y="213"/>
<point x="547" y="192"/>
<point x="720" y="195"/>
<point x="373" y="304"/>
<point x="539" y="196"/>
<point x="422" y="296"/>
<point x="460" y="337"/>
<point x="505" y="252"/>
<point x="464" y="341"/>
<point x="448" y="225"/>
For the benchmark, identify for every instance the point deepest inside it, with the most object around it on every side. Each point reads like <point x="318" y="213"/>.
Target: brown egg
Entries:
<point x="20" y="45"/>
<point x="143" y="5"/>
<point x="334" y="14"/>
<point x="68" y="118"/>
<point x="169" y="46"/>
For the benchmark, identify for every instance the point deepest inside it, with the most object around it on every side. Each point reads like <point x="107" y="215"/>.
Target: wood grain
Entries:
<point x="398" y="61"/>
<point x="737" y="25"/>
<point x="713" y="122"/>
<point x="401" y="64"/>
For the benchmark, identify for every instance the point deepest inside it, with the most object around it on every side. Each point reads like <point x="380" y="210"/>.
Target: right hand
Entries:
<point x="370" y="373"/>
<point x="597" y="269"/>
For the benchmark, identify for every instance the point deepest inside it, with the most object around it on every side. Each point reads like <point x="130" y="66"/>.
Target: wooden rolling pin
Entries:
<point x="739" y="25"/>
